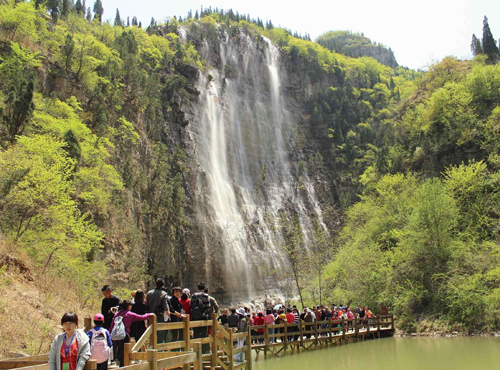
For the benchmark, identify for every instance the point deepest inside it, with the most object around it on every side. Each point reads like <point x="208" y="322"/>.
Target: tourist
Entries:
<point x="101" y="349"/>
<point x="176" y="313"/>
<point x="259" y="321"/>
<point x="127" y="317"/>
<point x="139" y="307"/>
<point x="242" y="328"/>
<point x="213" y="302"/>
<point x="201" y="309"/>
<point x="224" y="317"/>
<point x="233" y="319"/>
<point x="186" y="302"/>
<point x="309" y="317"/>
<point x="296" y="322"/>
<point x="269" y="320"/>
<point x="157" y="302"/>
<point x="281" y="319"/>
<point x="70" y="350"/>
<point x="109" y="304"/>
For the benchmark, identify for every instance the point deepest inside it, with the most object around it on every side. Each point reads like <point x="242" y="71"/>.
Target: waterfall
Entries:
<point x="244" y="134"/>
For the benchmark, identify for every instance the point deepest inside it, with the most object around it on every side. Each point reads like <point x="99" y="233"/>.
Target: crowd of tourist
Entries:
<point x="120" y="320"/>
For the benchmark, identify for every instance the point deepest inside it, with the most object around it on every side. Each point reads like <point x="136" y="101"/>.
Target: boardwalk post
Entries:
<point x="248" y="353"/>
<point x="152" y="359"/>
<point x="286" y="336"/>
<point x="230" y="355"/>
<point x="127" y="348"/>
<point x="213" y="359"/>
<point x="316" y="335"/>
<point x="301" y="329"/>
<point x="153" y="340"/>
<point x="356" y="328"/>
<point x="185" y="332"/>
<point x="330" y="332"/>
<point x="91" y="365"/>
<point x="198" y="364"/>
<point x="378" y="326"/>
<point x="392" y="322"/>
<point x="343" y="328"/>
<point x="266" y="340"/>
<point x="88" y="323"/>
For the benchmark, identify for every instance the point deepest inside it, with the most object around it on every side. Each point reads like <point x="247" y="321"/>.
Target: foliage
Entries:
<point x="421" y="247"/>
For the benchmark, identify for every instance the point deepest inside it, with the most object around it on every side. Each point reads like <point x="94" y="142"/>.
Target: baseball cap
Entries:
<point x="98" y="317"/>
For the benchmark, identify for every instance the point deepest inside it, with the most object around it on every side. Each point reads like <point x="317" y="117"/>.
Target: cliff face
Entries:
<point x="199" y="151"/>
<point x="248" y="175"/>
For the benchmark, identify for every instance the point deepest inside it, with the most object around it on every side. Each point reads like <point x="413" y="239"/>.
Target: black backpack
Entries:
<point x="200" y="306"/>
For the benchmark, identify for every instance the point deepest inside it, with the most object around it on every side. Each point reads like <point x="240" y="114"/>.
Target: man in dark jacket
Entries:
<point x="157" y="302"/>
<point x="233" y="319"/>
<point x="200" y="310"/>
<point x="108" y="303"/>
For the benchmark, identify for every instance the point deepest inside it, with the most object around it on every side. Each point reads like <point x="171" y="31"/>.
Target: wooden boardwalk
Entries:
<point x="219" y="348"/>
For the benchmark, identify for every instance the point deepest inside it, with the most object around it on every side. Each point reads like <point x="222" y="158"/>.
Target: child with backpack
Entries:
<point x="100" y="343"/>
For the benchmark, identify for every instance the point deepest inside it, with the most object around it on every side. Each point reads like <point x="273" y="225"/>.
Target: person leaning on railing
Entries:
<point x="69" y="350"/>
<point x="128" y="317"/>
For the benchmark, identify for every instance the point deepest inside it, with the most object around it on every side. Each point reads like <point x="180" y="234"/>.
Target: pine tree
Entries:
<point x="54" y="6"/>
<point x="69" y="46"/>
<point x="118" y="20"/>
<point x="65" y="8"/>
<point x="489" y="45"/>
<point x="475" y="46"/>
<point x="72" y="146"/>
<point x="89" y="15"/>
<point x="98" y="10"/>
<point x="140" y="24"/>
<point x="19" y="107"/>
<point x="79" y="7"/>
<point x="128" y="21"/>
<point x="134" y="21"/>
<point x="38" y="3"/>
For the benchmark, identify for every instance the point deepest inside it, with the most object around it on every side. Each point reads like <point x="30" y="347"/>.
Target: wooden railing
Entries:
<point x="219" y="345"/>
<point x="218" y="348"/>
<point x="308" y="334"/>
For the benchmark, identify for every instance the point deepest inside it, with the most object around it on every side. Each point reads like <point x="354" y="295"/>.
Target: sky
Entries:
<point x="419" y="33"/>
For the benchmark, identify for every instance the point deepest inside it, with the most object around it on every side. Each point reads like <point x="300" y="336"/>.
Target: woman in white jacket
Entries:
<point x="69" y="350"/>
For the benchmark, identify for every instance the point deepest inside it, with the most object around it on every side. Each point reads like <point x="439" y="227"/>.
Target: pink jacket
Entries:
<point x="128" y="318"/>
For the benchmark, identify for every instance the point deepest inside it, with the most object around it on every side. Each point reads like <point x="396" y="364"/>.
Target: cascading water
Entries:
<point x="244" y="142"/>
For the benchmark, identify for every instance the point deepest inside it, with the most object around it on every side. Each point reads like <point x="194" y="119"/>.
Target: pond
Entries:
<point x="463" y="353"/>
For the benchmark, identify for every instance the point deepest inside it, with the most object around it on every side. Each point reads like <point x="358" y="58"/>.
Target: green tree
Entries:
<point x="98" y="10"/>
<point x="67" y="51"/>
<point x="65" y="8"/>
<point x="79" y="7"/>
<point x="476" y="46"/>
<point x="19" y="107"/>
<point x="89" y="15"/>
<point x="54" y="7"/>
<point x="118" y="20"/>
<point x="490" y="47"/>
<point x="72" y="146"/>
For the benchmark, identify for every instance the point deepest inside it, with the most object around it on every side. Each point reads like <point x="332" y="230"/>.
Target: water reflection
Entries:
<point x="396" y="353"/>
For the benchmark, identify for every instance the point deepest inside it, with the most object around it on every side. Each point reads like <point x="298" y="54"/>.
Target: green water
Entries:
<point x="395" y="353"/>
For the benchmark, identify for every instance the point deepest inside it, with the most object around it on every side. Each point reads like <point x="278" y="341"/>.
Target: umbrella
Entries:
<point x="278" y="306"/>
